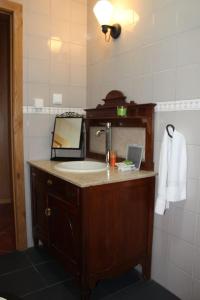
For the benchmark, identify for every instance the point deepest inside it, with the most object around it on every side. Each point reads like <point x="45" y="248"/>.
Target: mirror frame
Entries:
<point x="81" y="142"/>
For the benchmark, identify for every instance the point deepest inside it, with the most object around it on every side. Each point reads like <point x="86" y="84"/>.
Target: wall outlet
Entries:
<point x="57" y="99"/>
<point x="38" y="102"/>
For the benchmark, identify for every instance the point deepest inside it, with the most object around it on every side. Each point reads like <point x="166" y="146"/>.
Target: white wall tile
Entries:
<point x="181" y="254"/>
<point x="77" y="55"/>
<point x="188" y="14"/>
<point x="164" y="85"/>
<point x="77" y="97"/>
<point x="181" y="124"/>
<point x="77" y="75"/>
<point x="197" y="263"/>
<point x="38" y="70"/>
<point x="38" y="47"/>
<point x="77" y="34"/>
<point x="40" y="148"/>
<point x="142" y="60"/>
<point x="192" y="190"/>
<point x="182" y="224"/>
<point x="78" y="12"/>
<point x="38" y="25"/>
<point x="39" y="125"/>
<point x="188" y="82"/>
<point x="59" y="74"/>
<point x="40" y="7"/>
<point x="179" y="282"/>
<point x="165" y="21"/>
<point x="197" y="231"/>
<point x="162" y="222"/>
<point x="38" y="90"/>
<point x="196" y="290"/>
<point x="60" y="29"/>
<point x="188" y="44"/>
<point x="164" y="54"/>
<point x="193" y="166"/>
<point x="61" y="9"/>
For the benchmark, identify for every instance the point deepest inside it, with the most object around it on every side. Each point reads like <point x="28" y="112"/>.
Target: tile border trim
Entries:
<point x="51" y="110"/>
<point x="179" y="105"/>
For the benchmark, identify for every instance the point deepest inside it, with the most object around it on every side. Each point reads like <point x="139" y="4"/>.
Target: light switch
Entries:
<point x="38" y="102"/>
<point x="57" y="98"/>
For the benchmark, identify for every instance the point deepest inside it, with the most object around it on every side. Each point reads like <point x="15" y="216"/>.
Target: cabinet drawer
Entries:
<point x="62" y="189"/>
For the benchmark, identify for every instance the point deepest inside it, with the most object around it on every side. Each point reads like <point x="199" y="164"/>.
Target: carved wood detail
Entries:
<point x="138" y="115"/>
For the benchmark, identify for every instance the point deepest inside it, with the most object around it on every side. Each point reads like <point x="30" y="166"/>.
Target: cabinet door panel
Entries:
<point x="39" y="205"/>
<point x="117" y="224"/>
<point x="63" y="229"/>
<point x="64" y="190"/>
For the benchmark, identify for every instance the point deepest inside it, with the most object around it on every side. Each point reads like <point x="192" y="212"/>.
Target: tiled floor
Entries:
<point x="34" y="275"/>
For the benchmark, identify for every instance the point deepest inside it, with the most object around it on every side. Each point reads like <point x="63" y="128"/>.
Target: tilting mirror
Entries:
<point x="67" y="135"/>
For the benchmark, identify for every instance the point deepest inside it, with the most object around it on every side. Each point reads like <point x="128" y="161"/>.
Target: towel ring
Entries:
<point x="167" y="128"/>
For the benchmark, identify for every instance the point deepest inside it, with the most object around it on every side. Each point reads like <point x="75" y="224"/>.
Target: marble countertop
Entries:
<point x="90" y="179"/>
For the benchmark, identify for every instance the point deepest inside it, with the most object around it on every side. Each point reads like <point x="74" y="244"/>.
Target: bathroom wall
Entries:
<point x="49" y="24"/>
<point x="157" y="60"/>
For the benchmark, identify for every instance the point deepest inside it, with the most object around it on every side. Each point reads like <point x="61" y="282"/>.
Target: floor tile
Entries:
<point x="52" y="272"/>
<point x="10" y="296"/>
<point x="13" y="261"/>
<point x="21" y="282"/>
<point x="34" y="275"/>
<point x="38" y="255"/>
<point x="120" y="282"/>
<point x="60" y="292"/>
<point x="143" y="291"/>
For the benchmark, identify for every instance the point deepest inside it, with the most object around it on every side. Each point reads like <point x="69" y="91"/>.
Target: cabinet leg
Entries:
<point x="85" y="294"/>
<point x="146" y="269"/>
<point x="36" y="242"/>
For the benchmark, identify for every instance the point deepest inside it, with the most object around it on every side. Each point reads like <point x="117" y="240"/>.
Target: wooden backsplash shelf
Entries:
<point x="138" y="115"/>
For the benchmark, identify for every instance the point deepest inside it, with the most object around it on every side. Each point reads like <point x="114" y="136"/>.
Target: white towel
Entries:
<point x="172" y="171"/>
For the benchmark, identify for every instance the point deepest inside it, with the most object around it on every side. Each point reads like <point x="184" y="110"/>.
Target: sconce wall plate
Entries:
<point x="115" y="30"/>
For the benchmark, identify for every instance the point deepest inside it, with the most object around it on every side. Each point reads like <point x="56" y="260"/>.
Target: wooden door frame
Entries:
<point x="16" y="119"/>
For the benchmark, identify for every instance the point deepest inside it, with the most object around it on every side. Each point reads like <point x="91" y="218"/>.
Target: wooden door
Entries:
<point x="14" y="11"/>
<point x="7" y="232"/>
<point x="64" y="231"/>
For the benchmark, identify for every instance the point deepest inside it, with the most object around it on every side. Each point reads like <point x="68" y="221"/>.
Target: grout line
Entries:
<point x="16" y="271"/>
<point x="46" y="287"/>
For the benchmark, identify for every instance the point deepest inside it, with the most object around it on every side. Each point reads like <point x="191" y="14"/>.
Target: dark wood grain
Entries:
<point x="97" y="232"/>
<point x="7" y="228"/>
<point x="138" y="115"/>
<point x="14" y="11"/>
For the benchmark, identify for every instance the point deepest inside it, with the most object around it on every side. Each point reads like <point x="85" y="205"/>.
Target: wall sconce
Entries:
<point x="103" y="10"/>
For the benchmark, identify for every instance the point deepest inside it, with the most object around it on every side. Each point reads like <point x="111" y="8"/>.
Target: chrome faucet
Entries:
<point x="107" y="131"/>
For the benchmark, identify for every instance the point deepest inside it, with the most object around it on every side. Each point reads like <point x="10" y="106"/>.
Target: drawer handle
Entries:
<point x="49" y="182"/>
<point x="48" y="212"/>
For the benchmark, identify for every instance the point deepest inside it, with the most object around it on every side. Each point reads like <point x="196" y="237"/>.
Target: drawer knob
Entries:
<point x="48" y="212"/>
<point x="49" y="182"/>
<point x="33" y="174"/>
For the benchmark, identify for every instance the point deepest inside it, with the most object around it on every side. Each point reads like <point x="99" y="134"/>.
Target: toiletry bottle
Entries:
<point x="112" y="158"/>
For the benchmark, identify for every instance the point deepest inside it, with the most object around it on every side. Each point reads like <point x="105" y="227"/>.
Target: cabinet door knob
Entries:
<point x="49" y="182"/>
<point x="48" y="212"/>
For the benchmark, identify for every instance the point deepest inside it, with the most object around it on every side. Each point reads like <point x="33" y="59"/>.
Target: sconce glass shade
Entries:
<point x="103" y="11"/>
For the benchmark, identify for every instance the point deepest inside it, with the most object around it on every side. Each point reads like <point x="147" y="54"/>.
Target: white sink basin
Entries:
<point x="85" y="166"/>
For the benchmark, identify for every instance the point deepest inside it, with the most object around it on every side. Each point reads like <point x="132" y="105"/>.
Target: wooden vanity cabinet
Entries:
<point x="97" y="231"/>
<point x="55" y="214"/>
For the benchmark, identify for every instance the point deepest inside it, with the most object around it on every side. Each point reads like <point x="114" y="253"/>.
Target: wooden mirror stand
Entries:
<point x="138" y="115"/>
